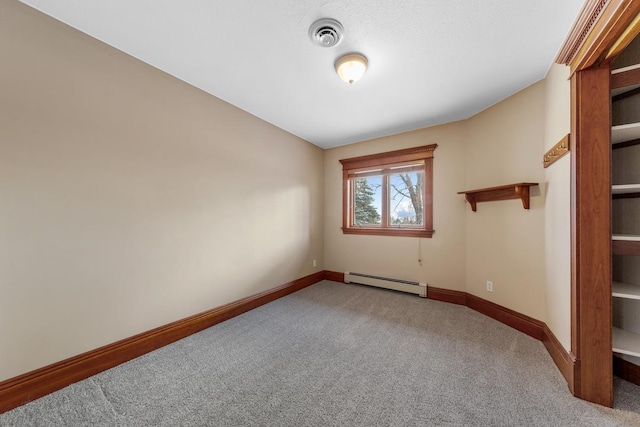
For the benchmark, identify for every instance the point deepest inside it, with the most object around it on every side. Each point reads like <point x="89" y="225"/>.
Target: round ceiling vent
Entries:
<point x="326" y="32"/>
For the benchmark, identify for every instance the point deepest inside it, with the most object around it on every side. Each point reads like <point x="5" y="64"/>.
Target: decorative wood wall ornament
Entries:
<point x="556" y="152"/>
<point x="519" y="190"/>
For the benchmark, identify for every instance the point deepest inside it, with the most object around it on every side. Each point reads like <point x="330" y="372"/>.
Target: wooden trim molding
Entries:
<point x="22" y="389"/>
<point x="556" y="152"/>
<point x="561" y="357"/>
<point x="581" y="28"/>
<point x="416" y="159"/>
<point x="389" y="157"/>
<point x="591" y="234"/>
<point x="334" y="276"/>
<point x="447" y="295"/>
<point x="521" y="322"/>
<point x="602" y="29"/>
<point x="626" y="370"/>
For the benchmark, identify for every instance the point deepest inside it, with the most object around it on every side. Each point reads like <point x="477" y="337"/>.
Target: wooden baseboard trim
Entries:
<point x="334" y="276"/>
<point x="521" y="322"/>
<point x="24" y="388"/>
<point x="561" y="357"/>
<point x="447" y="295"/>
<point x="626" y="370"/>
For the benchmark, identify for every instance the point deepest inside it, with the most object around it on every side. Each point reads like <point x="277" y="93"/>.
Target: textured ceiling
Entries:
<point x="430" y="61"/>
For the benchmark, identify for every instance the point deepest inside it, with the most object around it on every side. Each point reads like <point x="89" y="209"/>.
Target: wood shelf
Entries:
<point x="625" y="342"/>
<point x="504" y="192"/>
<point x="625" y="244"/>
<point x="625" y="78"/>
<point x="625" y="290"/>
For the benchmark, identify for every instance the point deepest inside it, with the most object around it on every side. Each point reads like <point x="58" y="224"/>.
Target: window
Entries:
<point x="389" y="194"/>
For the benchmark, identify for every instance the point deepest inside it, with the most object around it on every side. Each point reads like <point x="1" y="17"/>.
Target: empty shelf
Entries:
<point x="623" y="133"/>
<point x="625" y="69"/>
<point x="625" y="188"/>
<point x="626" y="237"/>
<point x="625" y="290"/>
<point x="623" y="78"/>
<point x="625" y="244"/>
<point x="625" y="342"/>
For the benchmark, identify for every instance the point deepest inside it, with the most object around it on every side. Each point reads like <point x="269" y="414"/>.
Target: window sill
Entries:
<point x="404" y="232"/>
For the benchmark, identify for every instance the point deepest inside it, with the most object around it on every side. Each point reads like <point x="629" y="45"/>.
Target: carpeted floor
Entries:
<point x="336" y="355"/>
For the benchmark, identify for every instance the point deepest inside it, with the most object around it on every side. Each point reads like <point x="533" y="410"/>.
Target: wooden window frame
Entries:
<point x="383" y="160"/>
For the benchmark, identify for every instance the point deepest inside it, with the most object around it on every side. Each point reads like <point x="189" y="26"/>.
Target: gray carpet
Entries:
<point x="336" y="355"/>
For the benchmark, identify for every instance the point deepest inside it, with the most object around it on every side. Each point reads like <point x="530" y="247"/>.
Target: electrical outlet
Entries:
<point x="489" y="286"/>
<point x="314" y="263"/>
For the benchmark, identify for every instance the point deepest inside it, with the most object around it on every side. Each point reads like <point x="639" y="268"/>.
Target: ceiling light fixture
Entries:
<point x="351" y="67"/>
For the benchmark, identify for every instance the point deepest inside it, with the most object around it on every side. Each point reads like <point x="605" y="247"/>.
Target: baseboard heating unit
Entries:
<point x="387" y="283"/>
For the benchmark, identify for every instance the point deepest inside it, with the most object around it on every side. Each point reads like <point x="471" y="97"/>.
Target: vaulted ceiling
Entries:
<point x="430" y="61"/>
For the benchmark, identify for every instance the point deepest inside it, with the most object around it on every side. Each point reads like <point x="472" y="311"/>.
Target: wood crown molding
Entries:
<point x="583" y="24"/>
<point x="24" y="388"/>
<point x="603" y="28"/>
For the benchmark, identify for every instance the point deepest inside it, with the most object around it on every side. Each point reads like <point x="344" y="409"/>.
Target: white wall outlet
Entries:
<point x="314" y="263"/>
<point x="489" y="286"/>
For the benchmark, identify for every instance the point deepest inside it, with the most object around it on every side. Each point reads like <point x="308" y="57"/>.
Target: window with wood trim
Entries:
<point x="389" y="194"/>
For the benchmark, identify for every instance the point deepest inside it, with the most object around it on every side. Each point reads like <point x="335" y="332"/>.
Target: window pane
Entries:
<point x="405" y="199"/>
<point x="367" y="200"/>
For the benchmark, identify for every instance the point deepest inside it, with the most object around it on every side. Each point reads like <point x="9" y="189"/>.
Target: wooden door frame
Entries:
<point x="602" y="30"/>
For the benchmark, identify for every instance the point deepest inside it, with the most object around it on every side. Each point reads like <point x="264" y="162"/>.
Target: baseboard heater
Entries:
<point x="387" y="283"/>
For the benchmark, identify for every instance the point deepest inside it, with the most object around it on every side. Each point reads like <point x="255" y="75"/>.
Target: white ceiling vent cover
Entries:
<point x="326" y="32"/>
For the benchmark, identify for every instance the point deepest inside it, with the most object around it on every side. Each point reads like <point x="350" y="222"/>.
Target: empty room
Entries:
<point x="308" y="213"/>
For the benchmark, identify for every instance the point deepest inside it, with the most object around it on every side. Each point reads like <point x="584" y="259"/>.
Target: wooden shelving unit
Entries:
<point x="625" y="83"/>
<point x="519" y="190"/>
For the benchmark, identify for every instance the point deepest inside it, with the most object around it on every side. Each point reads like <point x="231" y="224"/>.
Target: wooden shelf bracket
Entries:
<point x="504" y="192"/>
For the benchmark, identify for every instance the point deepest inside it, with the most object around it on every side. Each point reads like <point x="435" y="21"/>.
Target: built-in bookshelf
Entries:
<point x="625" y="191"/>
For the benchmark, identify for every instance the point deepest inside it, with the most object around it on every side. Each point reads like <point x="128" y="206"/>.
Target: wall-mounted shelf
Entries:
<point x="504" y="192"/>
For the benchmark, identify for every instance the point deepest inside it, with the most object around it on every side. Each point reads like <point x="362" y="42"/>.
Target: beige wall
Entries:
<point x="557" y="184"/>
<point x="129" y="199"/>
<point x="444" y="254"/>
<point x="505" y="243"/>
